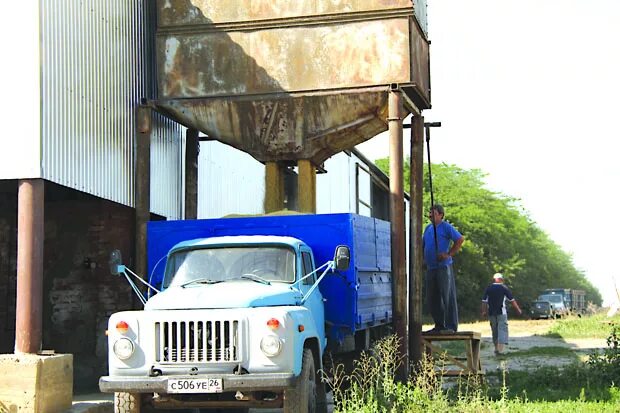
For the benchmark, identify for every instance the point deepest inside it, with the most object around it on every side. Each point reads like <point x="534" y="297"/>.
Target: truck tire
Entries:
<point x="303" y="398"/>
<point x="127" y="402"/>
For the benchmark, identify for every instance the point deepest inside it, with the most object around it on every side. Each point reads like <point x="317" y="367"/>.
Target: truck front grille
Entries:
<point x="198" y="341"/>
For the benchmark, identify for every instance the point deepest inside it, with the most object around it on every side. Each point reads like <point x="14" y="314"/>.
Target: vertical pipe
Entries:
<point x="416" y="213"/>
<point x="143" y="185"/>
<point x="306" y="186"/>
<point x="191" y="174"/>
<point x="30" y="236"/>
<point x="274" y="187"/>
<point x="397" y="218"/>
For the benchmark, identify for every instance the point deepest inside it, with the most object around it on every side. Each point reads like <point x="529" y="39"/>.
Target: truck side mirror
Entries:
<point x="115" y="262"/>
<point x="342" y="257"/>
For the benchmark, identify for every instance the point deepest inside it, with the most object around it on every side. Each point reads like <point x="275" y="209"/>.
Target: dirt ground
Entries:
<point x="526" y="335"/>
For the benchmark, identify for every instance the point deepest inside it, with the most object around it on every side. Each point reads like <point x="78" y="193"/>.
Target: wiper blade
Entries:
<point x="256" y="278"/>
<point x="201" y="281"/>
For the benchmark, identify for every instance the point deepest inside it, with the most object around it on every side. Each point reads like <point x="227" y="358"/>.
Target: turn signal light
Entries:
<point x="273" y="324"/>
<point x="122" y="327"/>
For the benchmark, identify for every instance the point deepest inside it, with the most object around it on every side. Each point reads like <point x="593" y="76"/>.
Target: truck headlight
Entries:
<point x="123" y="348"/>
<point x="271" y="345"/>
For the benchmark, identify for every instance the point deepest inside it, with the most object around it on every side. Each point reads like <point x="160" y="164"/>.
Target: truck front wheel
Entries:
<point x="127" y="402"/>
<point x="304" y="397"/>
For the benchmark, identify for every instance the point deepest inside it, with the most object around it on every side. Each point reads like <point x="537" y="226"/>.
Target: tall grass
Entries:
<point x="372" y="388"/>
<point x="596" y="326"/>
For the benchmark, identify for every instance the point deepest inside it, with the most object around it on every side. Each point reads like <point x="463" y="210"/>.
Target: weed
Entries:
<point x="373" y="387"/>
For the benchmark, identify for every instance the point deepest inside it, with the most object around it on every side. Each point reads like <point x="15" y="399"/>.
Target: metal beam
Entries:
<point x="30" y="237"/>
<point x="306" y="186"/>
<point x="416" y="213"/>
<point x="144" y="123"/>
<point x="397" y="218"/>
<point x="191" y="174"/>
<point x="274" y="187"/>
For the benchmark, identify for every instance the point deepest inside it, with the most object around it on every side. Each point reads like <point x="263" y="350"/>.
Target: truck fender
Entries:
<point x="308" y="338"/>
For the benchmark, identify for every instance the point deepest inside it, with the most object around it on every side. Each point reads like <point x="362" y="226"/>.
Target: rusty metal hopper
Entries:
<point x="286" y="80"/>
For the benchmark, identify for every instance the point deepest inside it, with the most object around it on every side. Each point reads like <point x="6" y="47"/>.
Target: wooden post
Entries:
<point x="30" y="237"/>
<point x="306" y="186"/>
<point x="143" y="185"/>
<point x="397" y="218"/>
<point x="416" y="213"/>
<point x="274" y="187"/>
<point x="191" y="174"/>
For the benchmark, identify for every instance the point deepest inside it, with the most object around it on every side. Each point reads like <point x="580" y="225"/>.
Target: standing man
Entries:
<point x="494" y="303"/>
<point x="440" y="242"/>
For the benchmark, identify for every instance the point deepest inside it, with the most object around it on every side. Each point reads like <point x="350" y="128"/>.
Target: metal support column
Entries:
<point x="192" y="146"/>
<point x="397" y="218"/>
<point x="416" y="213"/>
<point x="30" y="237"/>
<point x="306" y="186"/>
<point x="143" y="184"/>
<point x="274" y="187"/>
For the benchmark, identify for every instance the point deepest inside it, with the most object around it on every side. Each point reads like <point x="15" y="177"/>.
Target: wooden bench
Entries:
<point x="456" y="365"/>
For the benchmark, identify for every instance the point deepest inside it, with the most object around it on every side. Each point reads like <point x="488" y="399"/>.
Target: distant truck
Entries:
<point x="542" y="309"/>
<point x="574" y="300"/>
<point x="561" y="302"/>
<point x="556" y="303"/>
<point x="242" y="316"/>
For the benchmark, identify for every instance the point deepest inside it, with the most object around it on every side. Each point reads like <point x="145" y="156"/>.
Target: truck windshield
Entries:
<point x="552" y="298"/>
<point x="212" y="265"/>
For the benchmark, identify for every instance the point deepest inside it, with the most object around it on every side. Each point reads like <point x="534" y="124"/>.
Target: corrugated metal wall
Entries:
<point x="420" y="10"/>
<point x="232" y="182"/>
<point x="229" y="182"/>
<point x="94" y="71"/>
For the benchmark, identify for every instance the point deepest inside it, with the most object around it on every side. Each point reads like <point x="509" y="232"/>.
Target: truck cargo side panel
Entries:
<point x="355" y="299"/>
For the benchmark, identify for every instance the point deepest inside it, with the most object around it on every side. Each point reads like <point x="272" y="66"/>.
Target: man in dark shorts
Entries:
<point x="494" y="304"/>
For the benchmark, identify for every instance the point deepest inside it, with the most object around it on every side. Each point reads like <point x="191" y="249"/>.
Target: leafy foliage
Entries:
<point x="607" y="364"/>
<point x="499" y="237"/>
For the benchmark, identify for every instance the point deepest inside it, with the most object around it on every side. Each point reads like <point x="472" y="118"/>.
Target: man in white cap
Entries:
<point x="494" y="304"/>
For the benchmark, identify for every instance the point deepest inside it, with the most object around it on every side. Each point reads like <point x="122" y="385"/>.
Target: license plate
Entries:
<point x="194" y="385"/>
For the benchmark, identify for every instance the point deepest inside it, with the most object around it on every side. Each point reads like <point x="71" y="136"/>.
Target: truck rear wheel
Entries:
<point x="304" y="397"/>
<point x="127" y="402"/>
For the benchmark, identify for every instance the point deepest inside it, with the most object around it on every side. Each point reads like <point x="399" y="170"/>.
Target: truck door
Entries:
<point x="315" y="301"/>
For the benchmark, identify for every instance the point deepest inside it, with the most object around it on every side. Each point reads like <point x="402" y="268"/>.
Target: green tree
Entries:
<point x="500" y="237"/>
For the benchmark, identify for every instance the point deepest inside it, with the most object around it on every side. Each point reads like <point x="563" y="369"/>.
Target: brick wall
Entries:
<point x="79" y="293"/>
<point x="8" y="268"/>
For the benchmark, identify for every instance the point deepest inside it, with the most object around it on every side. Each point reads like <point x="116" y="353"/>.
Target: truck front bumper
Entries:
<point x="230" y="382"/>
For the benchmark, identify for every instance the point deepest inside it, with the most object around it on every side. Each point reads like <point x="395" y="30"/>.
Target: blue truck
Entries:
<point x="246" y="308"/>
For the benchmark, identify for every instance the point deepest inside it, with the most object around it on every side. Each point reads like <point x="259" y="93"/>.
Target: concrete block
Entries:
<point x="36" y="383"/>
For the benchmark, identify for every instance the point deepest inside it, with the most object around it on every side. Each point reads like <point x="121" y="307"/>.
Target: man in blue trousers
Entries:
<point x="440" y="242"/>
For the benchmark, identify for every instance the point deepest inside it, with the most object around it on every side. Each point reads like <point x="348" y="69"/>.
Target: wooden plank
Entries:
<point x="472" y="351"/>
<point x="461" y="335"/>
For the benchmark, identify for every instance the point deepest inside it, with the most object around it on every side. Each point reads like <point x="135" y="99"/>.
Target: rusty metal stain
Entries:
<point x="185" y="12"/>
<point x="287" y="128"/>
<point x="290" y="59"/>
<point x="249" y="73"/>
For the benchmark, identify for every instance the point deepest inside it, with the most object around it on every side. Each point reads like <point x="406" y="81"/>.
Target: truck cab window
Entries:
<point x="308" y="268"/>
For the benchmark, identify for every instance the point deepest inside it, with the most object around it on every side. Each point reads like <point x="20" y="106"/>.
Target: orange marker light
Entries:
<point x="273" y="324"/>
<point x="301" y="328"/>
<point x="122" y="327"/>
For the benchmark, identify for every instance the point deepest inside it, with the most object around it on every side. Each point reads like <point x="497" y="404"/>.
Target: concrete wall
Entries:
<point x="79" y="292"/>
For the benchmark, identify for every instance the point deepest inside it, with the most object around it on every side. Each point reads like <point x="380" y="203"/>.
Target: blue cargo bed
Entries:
<point x="356" y="299"/>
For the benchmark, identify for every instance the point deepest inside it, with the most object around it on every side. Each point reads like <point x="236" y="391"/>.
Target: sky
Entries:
<point x="528" y="91"/>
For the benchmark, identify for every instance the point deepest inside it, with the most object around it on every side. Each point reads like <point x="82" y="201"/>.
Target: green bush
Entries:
<point x="606" y="366"/>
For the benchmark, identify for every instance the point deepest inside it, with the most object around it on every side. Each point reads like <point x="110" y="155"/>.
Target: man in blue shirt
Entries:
<point x="440" y="242"/>
<point x="494" y="303"/>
